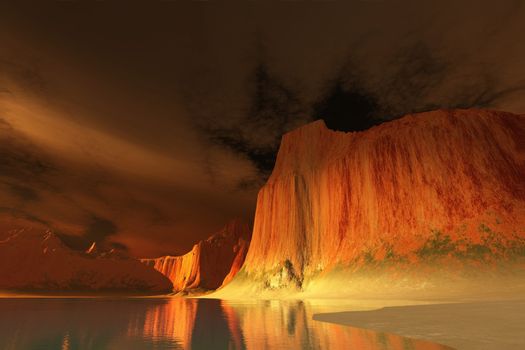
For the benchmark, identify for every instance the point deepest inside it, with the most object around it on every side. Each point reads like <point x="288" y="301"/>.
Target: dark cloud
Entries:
<point x="412" y="74"/>
<point x="98" y="230"/>
<point x="418" y="79"/>
<point x="118" y="246"/>
<point x="24" y="192"/>
<point x="273" y="109"/>
<point x="20" y="159"/>
<point x="415" y="79"/>
<point x="347" y="106"/>
<point x="73" y="242"/>
<point x="18" y="213"/>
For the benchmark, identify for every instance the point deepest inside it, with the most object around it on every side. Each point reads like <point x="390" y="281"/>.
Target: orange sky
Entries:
<point x="149" y="196"/>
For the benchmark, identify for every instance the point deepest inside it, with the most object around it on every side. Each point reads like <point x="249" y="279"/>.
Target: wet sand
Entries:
<point x="494" y="325"/>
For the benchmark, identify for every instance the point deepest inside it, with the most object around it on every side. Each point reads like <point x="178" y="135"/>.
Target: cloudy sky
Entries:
<point x="147" y="125"/>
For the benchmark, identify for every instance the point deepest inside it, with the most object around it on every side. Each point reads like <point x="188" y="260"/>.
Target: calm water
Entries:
<point x="178" y="323"/>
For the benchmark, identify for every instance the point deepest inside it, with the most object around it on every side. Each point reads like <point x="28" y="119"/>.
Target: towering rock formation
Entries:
<point x="443" y="185"/>
<point x="35" y="260"/>
<point x="210" y="264"/>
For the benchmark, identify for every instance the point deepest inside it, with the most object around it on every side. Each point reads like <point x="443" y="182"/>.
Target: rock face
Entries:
<point x="445" y="185"/>
<point x="35" y="260"/>
<point x="210" y="264"/>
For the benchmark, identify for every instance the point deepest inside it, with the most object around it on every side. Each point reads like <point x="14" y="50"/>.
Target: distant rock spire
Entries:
<point x="92" y="248"/>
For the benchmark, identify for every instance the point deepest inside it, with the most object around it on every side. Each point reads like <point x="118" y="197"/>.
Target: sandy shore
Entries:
<point x="493" y="325"/>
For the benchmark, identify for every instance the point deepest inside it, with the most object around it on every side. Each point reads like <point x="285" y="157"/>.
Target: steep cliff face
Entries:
<point x="447" y="185"/>
<point x="35" y="260"/>
<point x="210" y="264"/>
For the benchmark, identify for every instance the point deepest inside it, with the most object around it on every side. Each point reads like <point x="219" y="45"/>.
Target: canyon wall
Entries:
<point x="436" y="186"/>
<point x="36" y="260"/>
<point x="210" y="264"/>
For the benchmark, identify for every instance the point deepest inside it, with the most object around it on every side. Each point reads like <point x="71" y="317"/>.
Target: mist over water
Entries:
<point x="179" y="323"/>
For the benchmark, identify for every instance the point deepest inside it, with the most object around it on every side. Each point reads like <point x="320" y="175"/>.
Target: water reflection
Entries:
<point x="179" y="323"/>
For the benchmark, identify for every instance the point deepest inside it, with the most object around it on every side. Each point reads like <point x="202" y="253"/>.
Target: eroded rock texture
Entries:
<point x="210" y="264"/>
<point x="437" y="185"/>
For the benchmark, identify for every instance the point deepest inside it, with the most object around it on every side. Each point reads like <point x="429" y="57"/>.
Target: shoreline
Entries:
<point x="462" y="324"/>
<point x="477" y="325"/>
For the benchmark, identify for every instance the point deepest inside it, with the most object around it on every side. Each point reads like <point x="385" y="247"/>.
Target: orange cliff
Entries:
<point x="210" y="264"/>
<point x="35" y="260"/>
<point x="435" y="186"/>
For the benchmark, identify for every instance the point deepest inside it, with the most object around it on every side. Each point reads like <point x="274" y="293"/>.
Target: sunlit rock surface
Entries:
<point x="36" y="260"/>
<point x="410" y="199"/>
<point x="210" y="264"/>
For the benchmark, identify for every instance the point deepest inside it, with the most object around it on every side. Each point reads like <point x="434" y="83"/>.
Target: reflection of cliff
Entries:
<point x="289" y="325"/>
<point x="190" y="323"/>
<point x="438" y="186"/>
<point x="175" y="323"/>
<point x="216" y="324"/>
<point x="76" y="323"/>
<point x="36" y="260"/>
<point x="174" y="320"/>
<point x="211" y="263"/>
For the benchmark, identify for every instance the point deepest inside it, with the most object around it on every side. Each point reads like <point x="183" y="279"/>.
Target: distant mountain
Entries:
<point x="36" y="260"/>
<point x="433" y="194"/>
<point x="210" y="264"/>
